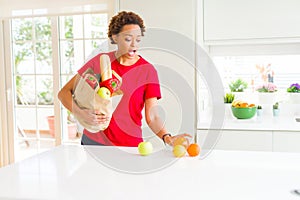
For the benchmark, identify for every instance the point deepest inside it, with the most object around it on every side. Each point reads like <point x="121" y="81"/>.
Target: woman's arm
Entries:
<point x="156" y="124"/>
<point x="65" y="95"/>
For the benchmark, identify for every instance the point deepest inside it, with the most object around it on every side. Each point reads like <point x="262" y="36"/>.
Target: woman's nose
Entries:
<point x="133" y="43"/>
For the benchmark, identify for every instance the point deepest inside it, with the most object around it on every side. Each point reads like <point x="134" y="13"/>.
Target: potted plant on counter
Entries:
<point x="294" y="93"/>
<point x="237" y="87"/>
<point x="276" y="109"/>
<point x="267" y="93"/>
<point x="228" y="99"/>
<point x="259" y="110"/>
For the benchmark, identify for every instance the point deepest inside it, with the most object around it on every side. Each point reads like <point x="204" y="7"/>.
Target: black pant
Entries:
<point x="87" y="141"/>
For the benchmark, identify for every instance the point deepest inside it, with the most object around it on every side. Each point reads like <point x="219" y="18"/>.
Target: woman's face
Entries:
<point x="128" y="40"/>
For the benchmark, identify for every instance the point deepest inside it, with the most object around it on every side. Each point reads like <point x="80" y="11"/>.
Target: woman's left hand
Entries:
<point x="171" y="139"/>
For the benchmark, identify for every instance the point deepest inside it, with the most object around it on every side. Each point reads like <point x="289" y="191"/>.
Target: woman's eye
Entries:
<point x="138" y="40"/>
<point x="127" y="40"/>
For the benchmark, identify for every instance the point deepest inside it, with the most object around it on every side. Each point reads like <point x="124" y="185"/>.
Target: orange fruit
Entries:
<point x="252" y="105"/>
<point x="193" y="150"/>
<point x="244" y="105"/>
<point x="181" y="141"/>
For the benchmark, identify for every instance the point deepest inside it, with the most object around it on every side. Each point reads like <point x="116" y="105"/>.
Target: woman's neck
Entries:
<point x="123" y="60"/>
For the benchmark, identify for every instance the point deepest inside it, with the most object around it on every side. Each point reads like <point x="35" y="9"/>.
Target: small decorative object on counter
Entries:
<point x="294" y="88"/>
<point x="259" y="110"/>
<point x="267" y="93"/>
<point x="243" y="110"/>
<point x="267" y="87"/>
<point x="276" y="109"/>
<point x="228" y="98"/>
<point x="294" y="93"/>
<point x="238" y="86"/>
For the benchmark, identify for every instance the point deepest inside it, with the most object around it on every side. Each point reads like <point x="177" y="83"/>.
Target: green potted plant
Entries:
<point x="267" y="93"/>
<point x="259" y="110"/>
<point x="294" y="88"/>
<point x="268" y="88"/>
<point x="238" y="85"/>
<point x="229" y="98"/>
<point x="294" y="93"/>
<point x="276" y="109"/>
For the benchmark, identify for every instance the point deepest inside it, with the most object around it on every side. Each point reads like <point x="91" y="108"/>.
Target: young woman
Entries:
<point x="140" y="87"/>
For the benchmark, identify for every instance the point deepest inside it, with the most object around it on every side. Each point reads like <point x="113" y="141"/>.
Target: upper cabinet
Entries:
<point x="251" y="20"/>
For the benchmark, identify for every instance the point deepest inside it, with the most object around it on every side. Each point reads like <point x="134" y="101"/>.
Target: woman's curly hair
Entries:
<point x="121" y="19"/>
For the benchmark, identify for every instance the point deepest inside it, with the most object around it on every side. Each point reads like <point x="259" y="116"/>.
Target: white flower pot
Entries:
<point x="294" y="98"/>
<point x="259" y="112"/>
<point x="275" y="112"/>
<point x="267" y="98"/>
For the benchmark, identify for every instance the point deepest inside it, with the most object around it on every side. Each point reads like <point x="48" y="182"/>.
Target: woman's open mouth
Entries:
<point x="131" y="53"/>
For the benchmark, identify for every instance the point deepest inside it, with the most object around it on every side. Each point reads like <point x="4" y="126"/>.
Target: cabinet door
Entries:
<point x="286" y="141"/>
<point x="256" y="19"/>
<point x="238" y="140"/>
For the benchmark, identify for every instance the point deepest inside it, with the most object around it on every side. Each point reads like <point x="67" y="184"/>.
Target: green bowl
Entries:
<point x="243" y="113"/>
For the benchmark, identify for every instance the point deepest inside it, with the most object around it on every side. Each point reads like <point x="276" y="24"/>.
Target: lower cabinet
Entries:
<point x="235" y="140"/>
<point x="286" y="141"/>
<point x="279" y="141"/>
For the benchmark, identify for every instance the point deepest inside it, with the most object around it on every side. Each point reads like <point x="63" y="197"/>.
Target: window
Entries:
<point x="253" y="70"/>
<point x="34" y="71"/>
<point x="284" y="69"/>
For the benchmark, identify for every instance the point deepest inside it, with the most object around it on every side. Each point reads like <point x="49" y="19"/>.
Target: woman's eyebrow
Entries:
<point x="127" y="34"/>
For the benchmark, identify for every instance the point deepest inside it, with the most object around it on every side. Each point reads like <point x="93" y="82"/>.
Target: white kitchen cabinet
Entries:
<point x="236" y="140"/>
<point x="254" y="20"/>
<point x="286" y="141"/>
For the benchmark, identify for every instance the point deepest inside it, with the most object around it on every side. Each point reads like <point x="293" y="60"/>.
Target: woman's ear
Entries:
<point x="115" y="38"/>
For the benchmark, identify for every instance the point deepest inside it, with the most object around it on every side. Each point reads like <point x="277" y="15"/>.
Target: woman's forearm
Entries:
<point x="65" y="96"/>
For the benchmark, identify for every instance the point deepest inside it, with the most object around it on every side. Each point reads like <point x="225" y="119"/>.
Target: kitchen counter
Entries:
<point x="263" y="123"/>
<point x="95" y="172"/>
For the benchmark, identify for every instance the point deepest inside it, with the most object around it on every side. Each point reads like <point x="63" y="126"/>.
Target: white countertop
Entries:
<point x="262" y="123"/>
<point x="76" y="172"/>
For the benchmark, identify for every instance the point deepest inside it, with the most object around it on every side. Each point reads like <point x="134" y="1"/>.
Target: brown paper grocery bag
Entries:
<point x="86" y="97"/>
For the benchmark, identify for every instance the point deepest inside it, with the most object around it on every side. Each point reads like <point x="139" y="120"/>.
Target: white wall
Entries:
<point x="10" y="8"/>
<point x="170" y="42"/>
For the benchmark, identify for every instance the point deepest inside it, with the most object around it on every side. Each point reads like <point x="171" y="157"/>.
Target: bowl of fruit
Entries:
<point x="243" y="110"/>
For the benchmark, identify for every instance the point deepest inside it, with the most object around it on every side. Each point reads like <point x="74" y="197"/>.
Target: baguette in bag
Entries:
<point x="86" y="92"/>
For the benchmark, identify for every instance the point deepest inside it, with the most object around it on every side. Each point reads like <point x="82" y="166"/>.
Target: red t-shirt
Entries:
<point x="139" y="82"/>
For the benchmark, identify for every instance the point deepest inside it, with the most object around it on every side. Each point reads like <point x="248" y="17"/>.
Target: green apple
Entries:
<point x="179" y="150"/>
<point x="104" y="93"/>
<point x="145" y="148"/>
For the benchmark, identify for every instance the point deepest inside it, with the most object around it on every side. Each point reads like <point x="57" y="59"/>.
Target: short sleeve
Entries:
<point x="93" y="64"/>
<point x="152" y="87"/>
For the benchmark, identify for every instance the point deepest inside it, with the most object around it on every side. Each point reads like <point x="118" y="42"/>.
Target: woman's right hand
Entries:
<point x="91" y="117"/>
